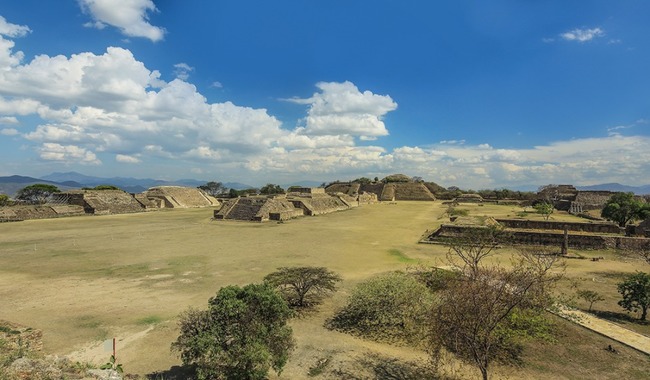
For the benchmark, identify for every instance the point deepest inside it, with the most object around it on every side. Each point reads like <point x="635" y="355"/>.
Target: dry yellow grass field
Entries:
<point x="85" y="279"/>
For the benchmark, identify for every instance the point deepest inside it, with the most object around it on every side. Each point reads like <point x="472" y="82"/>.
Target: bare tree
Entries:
<point x="475" y="244"/>
<point x="474" y="318"/>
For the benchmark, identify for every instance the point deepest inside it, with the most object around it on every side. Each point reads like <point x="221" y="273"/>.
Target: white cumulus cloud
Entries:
<point x="67" y="153"/>
<point x="123" y="158"/>
<point x="582" y="35"/>
<point x="341" y="109"/>
<point x="130" y="16"/>
<point x="12" y="30"/>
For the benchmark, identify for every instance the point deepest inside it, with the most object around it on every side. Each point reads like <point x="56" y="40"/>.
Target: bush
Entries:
<point x="243" y="333"/>
<point x="389" y="307"/>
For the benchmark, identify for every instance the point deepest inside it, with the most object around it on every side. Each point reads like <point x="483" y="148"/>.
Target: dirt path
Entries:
<point x="620" y="334"/>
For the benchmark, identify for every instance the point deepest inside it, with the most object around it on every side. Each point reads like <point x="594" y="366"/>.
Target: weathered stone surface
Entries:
<point x="179" y="197"/>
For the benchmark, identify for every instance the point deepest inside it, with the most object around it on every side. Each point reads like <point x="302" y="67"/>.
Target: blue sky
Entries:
<point x="468" y="93"/>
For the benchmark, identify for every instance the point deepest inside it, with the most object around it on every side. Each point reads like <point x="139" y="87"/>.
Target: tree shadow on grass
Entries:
<point x="617" y="317"/>
<point x="615" y="275"/>
<point x="393" y="369"/>
<point x="173" y="373"/>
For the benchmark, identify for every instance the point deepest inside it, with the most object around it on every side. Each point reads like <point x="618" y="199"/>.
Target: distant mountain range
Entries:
<point x="73" y="180"/>
<point x="639" y="190"/>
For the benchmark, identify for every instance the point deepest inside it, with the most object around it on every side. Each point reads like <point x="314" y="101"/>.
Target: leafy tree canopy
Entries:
<point x="624" y="208"/>
<point x="213" y="188"/>
<point x="102" y="187"/>
<point x="545" y="209"/>
<point x="37" y="193"/>
<point x="4" y="200"/>
<point x="635" y="291"/>
<point x="242" y="335"/>
<point x="270" y="189"/>
<point x="303" y="286"/>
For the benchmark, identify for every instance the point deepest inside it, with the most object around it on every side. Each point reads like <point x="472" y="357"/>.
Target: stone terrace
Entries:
<point x="179" y="197"/>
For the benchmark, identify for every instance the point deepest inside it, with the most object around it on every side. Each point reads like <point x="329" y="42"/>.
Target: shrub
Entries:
<point x="391" y="307"/>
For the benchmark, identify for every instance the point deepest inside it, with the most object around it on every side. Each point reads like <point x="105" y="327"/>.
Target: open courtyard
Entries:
<point x="82" y="280"/>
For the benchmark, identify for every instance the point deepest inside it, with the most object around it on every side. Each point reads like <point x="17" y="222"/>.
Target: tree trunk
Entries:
<point x="484" y="372"/>
<point x="644" y="313"/>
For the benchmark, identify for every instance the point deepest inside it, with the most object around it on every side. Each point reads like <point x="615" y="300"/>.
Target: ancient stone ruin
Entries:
<point x="176" y="197"/>
<point x="568" y="198"/>
<point x="106" y="202"/>
<point x="100" y="202"/>
<point x="299" y="202"/>
<point x="396" y="187"/>
<point x="590" y="235"/>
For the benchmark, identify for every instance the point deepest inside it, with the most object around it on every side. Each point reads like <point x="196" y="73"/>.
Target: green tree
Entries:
<point x="270" y="189"/>
<point x="545" y="209"/>
<point x="624" y="208"/>
<point x="213" y="188"/>
<point x="590" y="296"/>
<point x="635" y="291"/>
<point x="4" y="200"/>
<point x="242" y="335"/>
<point x="303" y="286"/>
<point x="391" y="306"/>
<point x="37" y="193"/>
<point x="102" y="187"/>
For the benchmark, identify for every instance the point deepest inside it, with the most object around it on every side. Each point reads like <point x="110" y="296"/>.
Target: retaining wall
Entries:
<point x="597" y="228"/>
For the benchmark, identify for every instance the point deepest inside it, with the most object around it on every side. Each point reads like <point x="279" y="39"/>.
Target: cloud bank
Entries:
<point x="110" y="109"/>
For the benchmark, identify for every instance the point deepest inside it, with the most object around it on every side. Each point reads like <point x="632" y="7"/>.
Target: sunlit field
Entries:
<point x="86" y="279"/>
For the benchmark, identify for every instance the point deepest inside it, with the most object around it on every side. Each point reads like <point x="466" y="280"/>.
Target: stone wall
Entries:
<point x="576" y="240"/>
<point x="367" y="198"/>
<point x="388" y="193"/>
<point x="598" y="228"/>
<point x="593" y="200"/>
<point x="18" y="213"/>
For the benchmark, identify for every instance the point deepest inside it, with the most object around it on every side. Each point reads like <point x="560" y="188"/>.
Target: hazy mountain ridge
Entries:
<point x="72" y="180"/>
<point x="639" y="190"/>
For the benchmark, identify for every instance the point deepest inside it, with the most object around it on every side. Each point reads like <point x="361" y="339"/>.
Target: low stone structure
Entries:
<point x="299" y="202"/>
<point x="26" y="212"/>
<point x="595" y="228"/>
<point x="468" y="198"/>
<point x="545" y="233"/>
<point x="568" y="198"/>
<point x="178" y="197"/>
<point x="100" y="202"/>
<point x="642" y="229"/>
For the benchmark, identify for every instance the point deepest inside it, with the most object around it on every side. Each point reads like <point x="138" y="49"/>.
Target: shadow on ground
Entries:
<point x="617" y="317"/>
<point x="174" y="373"/>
